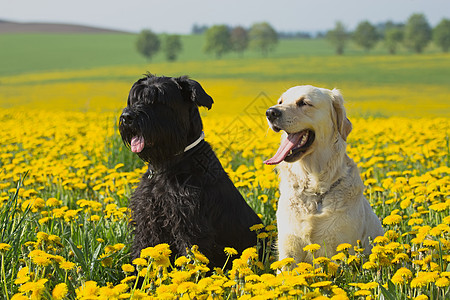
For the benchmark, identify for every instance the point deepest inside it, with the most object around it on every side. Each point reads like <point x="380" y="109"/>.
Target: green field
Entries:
<point x="71" y="70"/>
<point x="43" y="52"/>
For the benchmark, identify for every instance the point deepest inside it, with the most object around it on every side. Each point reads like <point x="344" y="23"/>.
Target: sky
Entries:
<point x="178" y="16"/>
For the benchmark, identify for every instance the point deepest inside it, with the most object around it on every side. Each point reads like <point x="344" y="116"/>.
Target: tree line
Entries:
<point x="415" y="35"/>
<point x="220" y="39"/>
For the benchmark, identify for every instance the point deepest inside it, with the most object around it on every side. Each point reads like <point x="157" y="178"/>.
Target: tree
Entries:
<point x="365" y="35"/>
<point x="263" y="37"/>
<point x="441" y="34"/>
<point x="239" y="39"/>
<point x="218" y="40"/>
<point x="338" y="37"/>
<point x="148" y="43"/>
<point x="417" y="33"/>
<point x="172" y="46"/>
<point x="392" y="37"/>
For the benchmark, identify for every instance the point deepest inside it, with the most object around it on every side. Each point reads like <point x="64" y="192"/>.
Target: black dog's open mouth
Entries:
<point x="137" y="143"/>
<point x="293" y="147"/>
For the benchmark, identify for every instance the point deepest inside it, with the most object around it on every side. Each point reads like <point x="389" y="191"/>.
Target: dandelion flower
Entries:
<point x="230" y="251"/>
<point x="22" y="276"/>
<point x="249" y="253"/>
<point x="119" y="246"/>
<point x="127" y="268"/>
<point x="4" y="247"/>
<point x="392" y="220"/>
<point x="67" y="265"/>
<point x="321" y="284"/>
<point x="262" y="235"/>
<point x="363" y="293"/>
<point x="140" y="262"/>
<point x="282" y="263"/>
<point x="271" y="227"/>
<point x="442" y="282"/>
<point x="343" y="247"/>
<point x="256" y="227"/>
<point x="369" y="265"/>
<point x="182" y="260"/>
<point x="185" y="287"/>
<point x="60" y="291"/>
<point x="339" y="257"/>
<point x="311" y="248"/>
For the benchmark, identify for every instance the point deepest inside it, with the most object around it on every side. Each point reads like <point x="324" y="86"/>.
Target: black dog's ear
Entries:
<point x="193" y="91"/>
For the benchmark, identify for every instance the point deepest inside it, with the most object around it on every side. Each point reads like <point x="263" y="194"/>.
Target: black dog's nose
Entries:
<point x="273" y="113"/>
<point x="126" y="118"/>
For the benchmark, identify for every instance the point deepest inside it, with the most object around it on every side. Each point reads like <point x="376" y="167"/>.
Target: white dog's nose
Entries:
<point x="272" y="114"/>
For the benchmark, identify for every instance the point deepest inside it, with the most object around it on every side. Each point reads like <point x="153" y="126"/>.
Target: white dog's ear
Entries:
<point x="343" y="124"/>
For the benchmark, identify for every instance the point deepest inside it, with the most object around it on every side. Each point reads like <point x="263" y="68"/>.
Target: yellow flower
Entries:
<point x="311" y="248"/>
<point x="369" y="265"/>
<point x="180" y="276"/>
<point x="22" y="276"/>
<point x="127" y="268"/>
<point x="185" y="287"/>
<point x="392" y="219"/>
<point x="140" y="262"/>
<point x="182" y="260"/>
<point x="4" y="247"/>
<point x="60" y="291"/>
<point x="401" y="276"/>
<point x="321" y="284"/>
<point x="262" y="235"/>
<point x="363" y="293"/>
<point x="128" y="279"/>
<point x="442" y="282"/>
<point x="67" y="265"/>
<point x="282" y="263"/>
<point x="249" y="253"/>
<point x="271" y="227"/>
<point x="256" y="227"/>
<point x="230" y="251"/>
<point x="88" y="290"/>
<point x="343" y="247"/>
<point x="340" y="256"/>
<point x="106" y="260"/>
<point x="40" y="258"/>
<point x="119" y="246"/>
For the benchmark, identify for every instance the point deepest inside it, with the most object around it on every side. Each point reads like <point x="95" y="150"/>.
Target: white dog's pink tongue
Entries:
<point x="286" y="146"/>
<point x="137" y="144"/>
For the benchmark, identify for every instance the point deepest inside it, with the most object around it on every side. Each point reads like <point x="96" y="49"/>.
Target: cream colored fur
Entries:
<point x="325" y="171"/>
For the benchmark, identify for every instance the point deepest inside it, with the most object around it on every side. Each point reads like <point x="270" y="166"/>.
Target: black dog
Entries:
<point x="185" y="198"/>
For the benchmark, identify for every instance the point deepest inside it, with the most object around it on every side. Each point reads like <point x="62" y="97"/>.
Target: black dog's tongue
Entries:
<point x="137" y="144"/>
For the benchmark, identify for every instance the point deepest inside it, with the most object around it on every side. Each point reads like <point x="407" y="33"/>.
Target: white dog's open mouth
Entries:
<point x="293" y="147"/>
<point x="137" y="144"/>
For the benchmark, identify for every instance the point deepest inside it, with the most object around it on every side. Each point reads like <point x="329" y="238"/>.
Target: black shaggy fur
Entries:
<point x="185" y="198"/>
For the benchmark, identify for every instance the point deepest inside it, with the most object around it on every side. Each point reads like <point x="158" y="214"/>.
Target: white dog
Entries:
<point x="321" y="192"/>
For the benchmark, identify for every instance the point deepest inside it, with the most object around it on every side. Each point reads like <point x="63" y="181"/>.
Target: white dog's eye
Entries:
<point x="301" y="102"/>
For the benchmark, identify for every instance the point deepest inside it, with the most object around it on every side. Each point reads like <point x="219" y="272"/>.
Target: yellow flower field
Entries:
<point x="65" y="181"/>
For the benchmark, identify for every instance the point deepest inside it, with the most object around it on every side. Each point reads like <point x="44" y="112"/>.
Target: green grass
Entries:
<point x="23" y="53"/>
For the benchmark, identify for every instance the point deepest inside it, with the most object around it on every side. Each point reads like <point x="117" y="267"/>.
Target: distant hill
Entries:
<point x="16" y="27"/>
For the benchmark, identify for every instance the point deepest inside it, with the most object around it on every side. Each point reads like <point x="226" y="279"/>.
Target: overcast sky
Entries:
<point x="178" y="16"/>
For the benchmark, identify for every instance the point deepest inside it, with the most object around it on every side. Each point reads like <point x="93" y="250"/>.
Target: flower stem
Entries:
<point x="4" y="277"/>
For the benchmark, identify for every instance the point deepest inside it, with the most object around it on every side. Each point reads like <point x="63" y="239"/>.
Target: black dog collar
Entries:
<point x="151" y="171"/>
